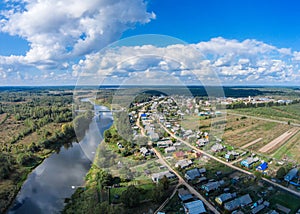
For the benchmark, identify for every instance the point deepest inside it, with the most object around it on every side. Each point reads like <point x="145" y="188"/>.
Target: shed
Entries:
<point x="184" y="195"/>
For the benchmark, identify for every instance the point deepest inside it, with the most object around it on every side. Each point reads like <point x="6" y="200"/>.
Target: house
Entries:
<point x="184" y="195"/>
<point x="157" y="176"/>
<point x="212" y="185"/>
<point x="154" y="136"/>
<point x="231" y="155"/>
<point x="194" y="207"/>
<point x="291" y="175"/>
<point x="202" y="142"/>
<point x="257" y="209"/>
<point x="164" y="143"/>
<point x="236" y="203"/>
<point x="192" y="174"/>
<point x="187" y="133"/>
<point x="262" y="167"/>
<point x="249" y="161"/>
<point x="144" y="116"/>
<point x="144" y="151"/>
<point x="224" y="197"/>
<point x="183" y="163"/>
<point x="179" y="155"/>
<point x="217" y="147"/>
<point x="177" y="144"/>
<point x="170" y="149"/>
<point x="201" y="180"/>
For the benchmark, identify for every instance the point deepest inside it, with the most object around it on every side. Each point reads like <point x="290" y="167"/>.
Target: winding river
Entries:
<point x="59" y="175"/>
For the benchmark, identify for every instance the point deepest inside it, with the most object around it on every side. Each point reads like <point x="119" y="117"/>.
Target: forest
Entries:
<point x="34" y="122"/>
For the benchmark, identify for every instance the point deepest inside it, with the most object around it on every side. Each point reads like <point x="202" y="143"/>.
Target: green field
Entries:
<point x="284" y="113"/>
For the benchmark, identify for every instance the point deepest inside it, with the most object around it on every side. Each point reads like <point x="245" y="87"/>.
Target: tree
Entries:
<point x="131" y="197"/>
<point x="104" y="178"/>
<point x="165" y="182"/>
<point x="257" y="175"/>
<point x="157" y="193"/>
<point x="5" y="166"/>
<point x="281" y="172"/>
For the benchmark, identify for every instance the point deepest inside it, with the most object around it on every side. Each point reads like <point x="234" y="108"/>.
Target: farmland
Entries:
<point x="283" y="113"/>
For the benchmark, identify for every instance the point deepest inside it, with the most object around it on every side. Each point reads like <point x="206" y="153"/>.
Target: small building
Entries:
<point x="144" y="116"/>
<point x="164" y="143"/>
<point x="262" y="167"/>
<point x="236" y="203"/>
<point x="248" y="162"/>
<point x="184" y="195"/>
<point x="201" y="180"/>
<point x="291" y="175"/>
<point x="217" y="147"/>
<point x="231" y="155"/>
<point x="180" y="155"/>
<point x="224" y="197"/>
<point x="158" y="176"/>
<point x="202" y="142"/>
<point x="257" y="209"/>
<point x="283" y="208"/>
<point x="153" y="136"/>
<point x="170" y="149"/>
<point x="183" y="163"/>
<point x="145" y="151"/>
<point x="192" y="174"/>
<point x="211" y="186"/>
<point x="194" y="207"/>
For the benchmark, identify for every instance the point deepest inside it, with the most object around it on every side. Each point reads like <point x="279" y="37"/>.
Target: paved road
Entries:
<point x="229" y="164"/>
<point x="180" y="179"/>
<point x="262" y="118"/>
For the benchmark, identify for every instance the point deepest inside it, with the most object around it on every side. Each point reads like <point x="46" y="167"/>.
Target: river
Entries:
<point x="57" y="177"/>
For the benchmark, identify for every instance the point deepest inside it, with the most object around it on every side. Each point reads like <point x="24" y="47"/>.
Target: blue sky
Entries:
<point x="275" y="22"/>
<point x="49" y="42"/>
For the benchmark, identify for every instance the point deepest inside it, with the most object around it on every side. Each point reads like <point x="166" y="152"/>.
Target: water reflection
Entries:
<point x="51" y="182"/>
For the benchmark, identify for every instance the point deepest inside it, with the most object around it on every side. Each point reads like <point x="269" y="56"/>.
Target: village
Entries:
<point x="231" y="179"/>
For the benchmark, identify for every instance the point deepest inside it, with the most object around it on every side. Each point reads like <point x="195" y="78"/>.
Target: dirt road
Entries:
<point x="251" y="143"/>
<point x="279" y="140"/>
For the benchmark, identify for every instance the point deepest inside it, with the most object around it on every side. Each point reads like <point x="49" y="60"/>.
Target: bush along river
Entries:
<point x="58" y="176"/>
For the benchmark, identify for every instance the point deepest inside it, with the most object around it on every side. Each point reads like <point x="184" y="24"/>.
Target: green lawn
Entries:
<point x="288" y="200"/>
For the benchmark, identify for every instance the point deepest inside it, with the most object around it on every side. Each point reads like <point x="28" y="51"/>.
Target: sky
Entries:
<point x="53" y="42"/>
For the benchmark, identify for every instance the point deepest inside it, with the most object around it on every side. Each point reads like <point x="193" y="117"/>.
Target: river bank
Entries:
<point x="53" y="180"/>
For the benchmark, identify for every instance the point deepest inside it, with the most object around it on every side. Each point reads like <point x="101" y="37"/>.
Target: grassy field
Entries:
<point x="284" y="113"/>
<point x="288" y="200"/>
<point x="241" y="132"/>
<point x="193" y="122"/>
<point x="290" y="149"/>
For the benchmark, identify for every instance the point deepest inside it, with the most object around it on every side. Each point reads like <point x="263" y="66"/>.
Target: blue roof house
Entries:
<point x="194" y="207"/>
<point x="192" y="174"/>
<point x="248" y="162"/>
<point x="144" y="116"/>
<point x="291" y="175"/>
<point x="262" y="167"/>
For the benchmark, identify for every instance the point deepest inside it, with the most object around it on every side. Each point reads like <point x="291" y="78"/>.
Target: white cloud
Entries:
<point x="60" y="32"/>
<point x="245" y="62"/>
